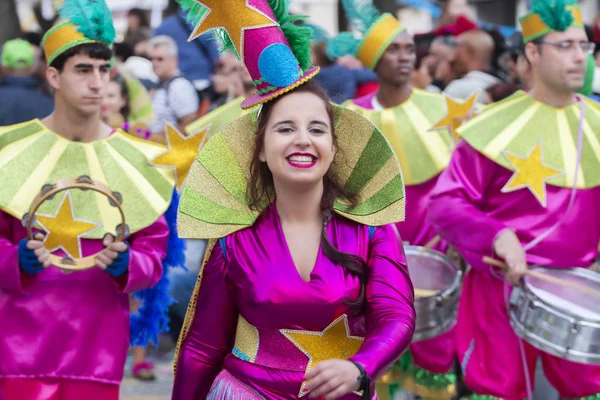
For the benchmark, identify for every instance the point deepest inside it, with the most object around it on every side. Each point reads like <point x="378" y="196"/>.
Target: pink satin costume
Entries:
<point x="435" y="355"/>
<point x="69" y="329"/>
<point x="469" y="210"/>
<point x="258" y="280"/>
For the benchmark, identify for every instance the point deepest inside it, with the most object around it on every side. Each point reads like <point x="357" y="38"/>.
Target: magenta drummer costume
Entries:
<point x="516" y="169"/>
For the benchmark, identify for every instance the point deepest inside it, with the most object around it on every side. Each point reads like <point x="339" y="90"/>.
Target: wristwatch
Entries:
<point x="365" y="382"/>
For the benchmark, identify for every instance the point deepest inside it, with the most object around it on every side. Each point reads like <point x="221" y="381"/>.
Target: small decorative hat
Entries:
<point x="550" y="15"/>
<point x="82" y="21"/>
<point x="263" y="35"/>
<point x="377" y="32"/>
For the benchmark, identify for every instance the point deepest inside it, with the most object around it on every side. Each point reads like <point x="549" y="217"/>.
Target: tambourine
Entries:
<point x="48" y="192"/>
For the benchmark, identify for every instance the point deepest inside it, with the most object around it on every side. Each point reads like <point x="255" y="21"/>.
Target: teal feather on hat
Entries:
<point x="361" y="14"/>
<point x="554" y="13"/>
<point x="342" y="44"/>
<point x="92" y="18"/>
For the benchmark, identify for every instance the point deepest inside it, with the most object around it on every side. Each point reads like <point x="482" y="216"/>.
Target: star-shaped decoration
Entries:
<point x="181" y="152"/>
<point x="234" y="16"/>
<point x="458" y="112"/>
<point x="530" y="172"/>
<point x="334" y="342"/>
<point x="63" y="230"/>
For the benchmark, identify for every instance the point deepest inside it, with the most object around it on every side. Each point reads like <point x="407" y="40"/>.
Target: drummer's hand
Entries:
<point x="114" y="259"/>
<point x="508" y="247"/>
<point x="33" y="256"/>
<point x="332" y="379"/>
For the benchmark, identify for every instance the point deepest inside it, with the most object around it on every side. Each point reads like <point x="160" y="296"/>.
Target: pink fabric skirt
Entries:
<point x="56" y="389"/>
<point x="227" y="387"/>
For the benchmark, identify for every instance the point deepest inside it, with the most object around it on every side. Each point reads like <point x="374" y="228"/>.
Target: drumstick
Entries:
<point x="544" y="277"/>
<point x="432" y="243"/>
<point x="425" y="292"/>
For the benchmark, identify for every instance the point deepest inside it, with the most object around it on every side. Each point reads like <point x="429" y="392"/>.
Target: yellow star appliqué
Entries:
<point x="458" y="112"/>
<point x="181" y="152"/>
<point x="63" y="230"/>
<point x="235" y="16"/>
<point x="531" y="173"/>
<point x="335" y="342"/>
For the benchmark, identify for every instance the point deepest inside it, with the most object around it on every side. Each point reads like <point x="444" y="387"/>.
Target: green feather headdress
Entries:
<point x="550" y="15"/>
<point x="82" y="21"/>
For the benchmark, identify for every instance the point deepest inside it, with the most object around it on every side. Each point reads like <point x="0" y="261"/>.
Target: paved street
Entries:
<point x="132" y="389"/>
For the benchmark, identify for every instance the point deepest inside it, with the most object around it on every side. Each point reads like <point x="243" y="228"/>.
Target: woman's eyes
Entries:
<point x="314" y="131"/>
<point x="317" y="131"/>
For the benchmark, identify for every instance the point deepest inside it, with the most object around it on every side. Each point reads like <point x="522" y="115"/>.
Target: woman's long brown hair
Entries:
<point x="261" y="191"/>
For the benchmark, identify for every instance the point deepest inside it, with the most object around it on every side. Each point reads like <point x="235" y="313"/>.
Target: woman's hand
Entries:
<point x="508" y="247"/>
<point x="332" y="379"/>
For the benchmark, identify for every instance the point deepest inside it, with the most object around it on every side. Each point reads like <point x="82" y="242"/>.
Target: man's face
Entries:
<point x="559" y="62"/>
<point x="82" y="82"/>
<point x="398" y="61"/>
<point x="459" y="60"/>
<point x="164" y="65"/>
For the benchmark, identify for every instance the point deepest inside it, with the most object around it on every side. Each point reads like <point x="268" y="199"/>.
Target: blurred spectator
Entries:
<point x="122" y="52"/>
<point x="197" y="58"/>
<point x="175" y="101"/>
<point x="137" y="22"/>
<point x="340" y="81"/>
<point x="35" y="39"/>
<point x="20" y="98"/>
<point x="434" y="64"/>
<point x="472" y="61"/>
<point x="141" y="68"/>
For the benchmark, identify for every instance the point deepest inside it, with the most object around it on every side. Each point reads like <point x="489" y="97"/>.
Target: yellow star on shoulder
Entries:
<point x="235" y="16"/>
<point x="458" y="112"/>
<point x="63" y="230"/>
<point x="530" y="172"/>
<point x="181" y="152"/>
<point x="335" y="342"/>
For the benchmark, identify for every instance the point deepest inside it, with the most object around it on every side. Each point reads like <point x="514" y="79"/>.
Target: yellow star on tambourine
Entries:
<point x="334" y="342"/>
<point x="458" y="112"/>
<point x="64" y="230"/>
<point x="234" y="16"/>
<point x="530" y="172"/>
<point x="181" y="152"/>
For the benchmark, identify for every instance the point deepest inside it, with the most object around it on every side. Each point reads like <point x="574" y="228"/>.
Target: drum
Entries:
<point x="557" y="319"/>
<point x="437" y="283"/>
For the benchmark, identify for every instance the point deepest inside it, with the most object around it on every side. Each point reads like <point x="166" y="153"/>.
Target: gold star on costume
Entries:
<point x="63" y="230"/>
<point x="531" y="173"/>
<point x="181" y="152"/>
<point x="335" y="342"/>
<point x="458" y="112"/>
<point x="234" y="16"/>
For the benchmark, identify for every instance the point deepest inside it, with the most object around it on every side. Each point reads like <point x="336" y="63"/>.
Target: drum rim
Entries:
<point x="582" y="272"/>
<point x="440" y="257"/>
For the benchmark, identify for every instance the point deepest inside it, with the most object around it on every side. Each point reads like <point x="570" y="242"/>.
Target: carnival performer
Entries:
<point x="523" y="186"/>
<point x="305" y="289"/>
<point x="66" y="335"/>
<point x="405" y="115"/>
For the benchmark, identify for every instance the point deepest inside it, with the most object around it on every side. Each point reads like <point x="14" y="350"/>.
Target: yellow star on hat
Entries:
<point x="234" y="16"/>
<point x="530" y="172"/>
<point x="458" y="112"/>
<point x="181" y="152"/>
<point x="334" y="342"/>
<point x="64" y="230"/>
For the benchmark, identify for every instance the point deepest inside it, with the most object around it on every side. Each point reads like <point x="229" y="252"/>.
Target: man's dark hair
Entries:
<point x="34" y="38"/>
<point x="123" y="50"/>
<point x="97" y="51"/>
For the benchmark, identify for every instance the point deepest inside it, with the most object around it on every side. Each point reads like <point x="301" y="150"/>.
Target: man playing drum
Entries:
<point x="65" y="335"/>
<point x="524" y="186"/>
<point x="405" y="116"/>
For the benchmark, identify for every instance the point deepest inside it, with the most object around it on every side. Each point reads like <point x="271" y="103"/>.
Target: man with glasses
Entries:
<point x="176" y="100"/>
<point x="523" y="186"/>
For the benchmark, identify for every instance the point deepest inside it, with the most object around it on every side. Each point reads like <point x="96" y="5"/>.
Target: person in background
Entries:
<point x="20" y="98"/>
<point x="137" y="22"/>
<point x="197" y="58"/>
<point x="472" y="62"/>
<point x="176" y="100"/>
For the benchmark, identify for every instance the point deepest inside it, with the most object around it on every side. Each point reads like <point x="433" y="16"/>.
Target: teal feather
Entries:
<point x="554" y="13"/>
<point x="361" y="14"/>
<point x="342" y="44"/>
<point x="319" y="34"/>
<point x="92" y="18"/>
